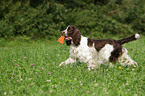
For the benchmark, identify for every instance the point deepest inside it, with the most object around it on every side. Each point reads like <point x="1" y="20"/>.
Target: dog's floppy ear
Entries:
<point x="76" y="37"/>
<point x="68" y="42"/>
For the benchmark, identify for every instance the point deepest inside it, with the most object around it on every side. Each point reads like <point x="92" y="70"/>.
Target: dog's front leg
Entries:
<point x="69" y="60"/>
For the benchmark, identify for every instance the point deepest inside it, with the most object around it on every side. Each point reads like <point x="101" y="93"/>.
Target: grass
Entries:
<point x="31" y="68"/>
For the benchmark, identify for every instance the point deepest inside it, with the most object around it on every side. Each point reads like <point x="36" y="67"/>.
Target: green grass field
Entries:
<point x="32" y="69"/>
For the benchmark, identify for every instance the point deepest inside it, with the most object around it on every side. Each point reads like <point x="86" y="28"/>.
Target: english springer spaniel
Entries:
<point x="96" y="52"/>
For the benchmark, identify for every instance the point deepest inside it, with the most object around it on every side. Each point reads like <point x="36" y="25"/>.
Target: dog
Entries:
<point x="96" y="52"/>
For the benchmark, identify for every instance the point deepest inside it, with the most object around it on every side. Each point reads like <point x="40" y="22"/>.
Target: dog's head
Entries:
<point x="72" y="35"/>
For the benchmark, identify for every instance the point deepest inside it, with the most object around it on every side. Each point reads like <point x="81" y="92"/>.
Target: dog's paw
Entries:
<point x="135" y="64"/>
<point x="61" y="64"/>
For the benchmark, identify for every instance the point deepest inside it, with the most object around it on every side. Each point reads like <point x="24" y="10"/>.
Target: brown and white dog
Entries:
<point x="96" y="52"/>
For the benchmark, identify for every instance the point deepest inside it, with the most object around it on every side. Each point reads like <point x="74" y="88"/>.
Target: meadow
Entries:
<point x="31" y="68"/>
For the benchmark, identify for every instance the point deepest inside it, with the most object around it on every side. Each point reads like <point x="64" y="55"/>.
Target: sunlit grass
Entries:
<point x="32" y="68"/>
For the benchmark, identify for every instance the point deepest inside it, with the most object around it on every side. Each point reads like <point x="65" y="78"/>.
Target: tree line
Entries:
<point x="46" y="18"/>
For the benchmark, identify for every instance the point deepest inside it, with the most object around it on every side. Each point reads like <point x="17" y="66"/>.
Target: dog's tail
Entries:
<point x="126" y="40"/>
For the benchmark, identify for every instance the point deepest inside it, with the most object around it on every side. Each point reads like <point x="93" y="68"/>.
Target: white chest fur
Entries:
<point x="83" y="52"/>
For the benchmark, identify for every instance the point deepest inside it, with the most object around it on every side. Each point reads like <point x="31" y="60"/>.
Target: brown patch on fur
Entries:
<point x="99" y="44"/>
<point x="76" y="37"/>
<point x="90" y="42"/>
<point x="115" y="54"/>
<point x="74" y="32"/>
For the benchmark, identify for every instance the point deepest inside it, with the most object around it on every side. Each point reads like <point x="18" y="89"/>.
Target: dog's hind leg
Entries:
<point x="125" y="59"/>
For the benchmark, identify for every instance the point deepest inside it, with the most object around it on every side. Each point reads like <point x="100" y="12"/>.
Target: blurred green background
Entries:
<point x="36" y="19"/>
